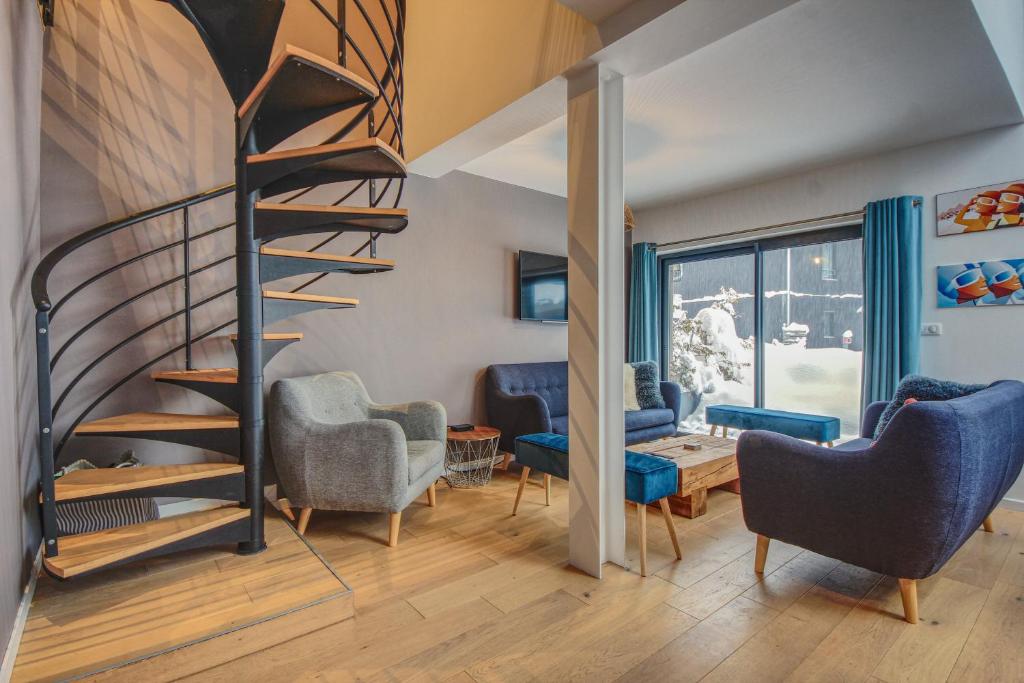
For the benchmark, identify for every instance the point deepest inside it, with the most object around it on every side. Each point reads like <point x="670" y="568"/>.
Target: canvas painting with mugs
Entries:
<point x="980" y="209"/>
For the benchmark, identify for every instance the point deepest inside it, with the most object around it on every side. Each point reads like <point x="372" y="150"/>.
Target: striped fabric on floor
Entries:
<point x="81" y="517"/>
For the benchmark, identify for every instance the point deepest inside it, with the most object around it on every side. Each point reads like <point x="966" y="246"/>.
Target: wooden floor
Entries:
<point x="212" y="595"/>
<point x="472" y="594"/>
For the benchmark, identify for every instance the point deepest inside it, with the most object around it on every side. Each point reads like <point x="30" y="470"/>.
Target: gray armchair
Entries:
<point x="334" y="449"/>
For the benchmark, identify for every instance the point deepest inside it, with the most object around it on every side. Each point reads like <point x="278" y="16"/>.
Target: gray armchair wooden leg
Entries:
<point x="519" y="491"/>
<point x="394" y="524"/>
<point x="304" y="516"/>
<point x="908" y="592"/>
<point x="761" y="554"/>
<point x="286" y="509"/>
<point x="432" y="495"/>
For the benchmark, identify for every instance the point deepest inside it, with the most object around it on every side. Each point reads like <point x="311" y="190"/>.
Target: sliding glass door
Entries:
<point x="709" y="340"/>
<point x="775" y="323"/>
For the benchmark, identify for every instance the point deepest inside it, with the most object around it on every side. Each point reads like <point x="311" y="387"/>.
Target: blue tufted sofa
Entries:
<point x="527" y="398"/>
<point x="900" y="507"/>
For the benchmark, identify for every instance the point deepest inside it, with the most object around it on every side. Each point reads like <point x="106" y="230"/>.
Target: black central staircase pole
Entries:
<point x="250" y="338"/>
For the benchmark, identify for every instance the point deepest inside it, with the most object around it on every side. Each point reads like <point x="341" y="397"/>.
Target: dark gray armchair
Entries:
<point x="334" y="449"/>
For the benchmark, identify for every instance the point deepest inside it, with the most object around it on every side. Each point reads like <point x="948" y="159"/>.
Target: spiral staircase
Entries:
<point x="275" y="98"/>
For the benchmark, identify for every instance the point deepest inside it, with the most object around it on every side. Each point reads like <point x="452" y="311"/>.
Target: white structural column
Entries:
<point x="596" y="310"/>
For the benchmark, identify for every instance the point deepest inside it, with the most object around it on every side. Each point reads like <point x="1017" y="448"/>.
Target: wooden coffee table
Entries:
<point x="713" y="466"/>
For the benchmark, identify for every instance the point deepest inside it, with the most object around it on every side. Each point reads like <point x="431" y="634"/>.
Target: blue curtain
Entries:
<point x="892" y="294"/>
<point x="643" y="303"/>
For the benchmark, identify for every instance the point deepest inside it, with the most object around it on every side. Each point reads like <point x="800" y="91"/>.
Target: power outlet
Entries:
<point x="931" y="329"/>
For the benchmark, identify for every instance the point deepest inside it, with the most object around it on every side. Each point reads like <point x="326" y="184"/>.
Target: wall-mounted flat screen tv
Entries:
<point x="543" y="287"/>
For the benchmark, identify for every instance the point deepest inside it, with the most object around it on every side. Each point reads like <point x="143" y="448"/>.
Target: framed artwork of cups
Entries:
<point x="980" y="209"/>
<point x="989" y="283"/>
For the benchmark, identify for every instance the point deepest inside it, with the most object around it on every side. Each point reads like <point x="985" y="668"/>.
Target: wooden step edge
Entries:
<point x="316" y="255"/>
<point x="89" y="483"/>
<point x="156" y="422"/>
<point x="317" y="298"/>
<point x="370" y="211"/>
<point x="211" y="375"/>
<point x="275" y="336"/>
<point x="335" y="149"/>
<point x="292" y="52"/>
<point x="89" y="552"/>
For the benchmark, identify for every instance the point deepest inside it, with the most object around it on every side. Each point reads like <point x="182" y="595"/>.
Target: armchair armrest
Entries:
<point x="420" y="420"/>
<point x="673" y="395"/>
<point x="516" y="415"/>
<point x="353" y="466"/>
<point x="872" y="414"/>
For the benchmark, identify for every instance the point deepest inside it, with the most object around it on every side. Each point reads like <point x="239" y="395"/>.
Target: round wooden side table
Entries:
<point x="470" y="457"/>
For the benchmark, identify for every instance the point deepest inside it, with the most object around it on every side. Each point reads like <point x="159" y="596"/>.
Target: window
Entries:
<point x="759" y="324"/>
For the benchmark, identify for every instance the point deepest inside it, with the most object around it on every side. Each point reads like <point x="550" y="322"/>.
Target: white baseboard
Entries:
<point x="11" y="653"/>
<point x="1013" y="504"/>
<point x="181" y="507"/>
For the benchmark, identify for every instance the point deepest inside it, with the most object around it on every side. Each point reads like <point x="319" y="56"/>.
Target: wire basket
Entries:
<point x="468" y="464"/>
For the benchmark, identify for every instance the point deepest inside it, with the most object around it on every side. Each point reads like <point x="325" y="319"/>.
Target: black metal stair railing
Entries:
<point x="389" y="84"/>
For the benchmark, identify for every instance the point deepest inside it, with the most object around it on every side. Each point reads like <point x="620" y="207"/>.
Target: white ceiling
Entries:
<point x="820" y="82"/>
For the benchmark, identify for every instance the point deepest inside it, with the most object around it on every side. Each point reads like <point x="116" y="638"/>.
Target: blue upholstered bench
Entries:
<point x="821" y="429"/>
<point x="649" y="479"/>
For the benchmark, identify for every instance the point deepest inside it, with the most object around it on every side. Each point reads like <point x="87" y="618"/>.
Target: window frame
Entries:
<point x="757" y="248"/>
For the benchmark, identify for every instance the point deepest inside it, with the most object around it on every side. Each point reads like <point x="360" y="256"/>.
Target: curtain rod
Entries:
<point x="789" y="224"/>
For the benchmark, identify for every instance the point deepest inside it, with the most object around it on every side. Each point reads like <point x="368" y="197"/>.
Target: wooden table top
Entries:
<point x="712" y="448"/>
<point x="478" y="433"/>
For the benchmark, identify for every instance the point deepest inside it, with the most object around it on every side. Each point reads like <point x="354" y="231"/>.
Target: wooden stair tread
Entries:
<point x="88" y="552"/>
<point x="272" y="220"/>
<point x="274" y="336"/>
<point x="86" y="483"/>
<point x="156" y="422"/>
<point x="317" y="298"/>
<point x="214" y="375"/>
<point x="289" y="253"/>
<point x="293" y="169"/>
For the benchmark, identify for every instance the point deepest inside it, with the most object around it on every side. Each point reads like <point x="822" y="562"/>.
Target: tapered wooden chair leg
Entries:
<point x="432" y="495"/>
<point x="714" y="430"/>
<point x="519" y="491"/>
<point x="394" y="524"/>
<point x="304" y="515"/>
<point x="641" y="518"/>
<point x="666" y="512"/>
<point x="908" y="591"/>
<point x="286" y="509"/>
<point x="987" y="524"/>
<point x="761" y="554"/>
<point x="547" y="489"/>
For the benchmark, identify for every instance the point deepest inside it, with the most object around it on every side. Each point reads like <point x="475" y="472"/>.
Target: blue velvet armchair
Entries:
<point x="527" y="398"/>
<point x="901" y="506"/>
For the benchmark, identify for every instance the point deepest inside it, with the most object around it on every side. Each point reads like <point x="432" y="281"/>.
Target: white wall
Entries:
<point x="978" y="345"/>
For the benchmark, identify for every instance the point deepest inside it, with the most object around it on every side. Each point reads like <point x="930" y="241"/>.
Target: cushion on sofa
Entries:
<point x="923" y="388"/>
<point x="629" y="401"/>
<point x="648" y="385"/>
<point x="641" y="419"/>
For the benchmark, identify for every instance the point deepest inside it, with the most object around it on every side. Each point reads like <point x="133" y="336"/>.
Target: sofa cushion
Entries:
<point x="648" y="385"/>
<point x="422" y="456"/>
<point x="923" y="388"/>
<point x="560" y="425"/>
<point x="641" y="419"/>
<point x="629" y="401"/>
